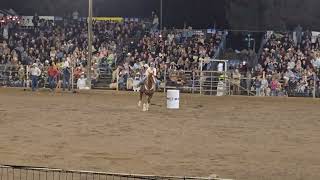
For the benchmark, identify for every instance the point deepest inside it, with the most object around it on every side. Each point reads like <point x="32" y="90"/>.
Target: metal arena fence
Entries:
<point x="10" y="172"/>
<point x="19" y="76"/>
<point x="196" y="82"/>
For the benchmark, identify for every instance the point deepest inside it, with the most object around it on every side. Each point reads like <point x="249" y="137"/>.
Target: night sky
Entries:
<point x="197" y="13"/>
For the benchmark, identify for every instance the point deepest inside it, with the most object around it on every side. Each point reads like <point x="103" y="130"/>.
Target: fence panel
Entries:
<point x="19" y="76"/>
<point x="8" y="172"/>
<point x="202" y="82"/>
<point x="13" y="76"/>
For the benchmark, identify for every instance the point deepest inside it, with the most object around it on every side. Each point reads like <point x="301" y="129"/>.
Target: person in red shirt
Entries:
<point x="53" y="74"/>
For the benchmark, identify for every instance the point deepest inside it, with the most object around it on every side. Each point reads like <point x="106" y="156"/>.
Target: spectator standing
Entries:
<point x="264" y="85"/>
<point x="21" y="74"/>
<point x="248" y="81"/>
<point x="155" y="22"/>
<point x="66" y="76"/>
<point x="5" y="32"/>
<point x="236" y="82"/>
<point x="35" y="20"/>
<point x="258" y="86"/>
<point x="35" y="73"/>
<point x="59" y="77"/>
<point x="52" y="76"/>
<point x="95" y="74"/>
<point x="274" y="87"/>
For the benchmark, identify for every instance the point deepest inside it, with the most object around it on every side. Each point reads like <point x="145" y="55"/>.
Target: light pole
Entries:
<point x="89" y="43"/>
<point x="161" y="14"/>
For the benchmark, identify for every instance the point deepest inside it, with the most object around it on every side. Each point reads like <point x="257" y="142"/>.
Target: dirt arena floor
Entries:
<point x="243" y="138"/>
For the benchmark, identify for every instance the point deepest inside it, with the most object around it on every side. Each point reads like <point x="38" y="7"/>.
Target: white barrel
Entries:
<point x="221" y="89"/>
<point x="173" y="99"/>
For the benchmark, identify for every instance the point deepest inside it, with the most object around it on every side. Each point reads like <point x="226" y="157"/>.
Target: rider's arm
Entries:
<point x="155" y="72"/>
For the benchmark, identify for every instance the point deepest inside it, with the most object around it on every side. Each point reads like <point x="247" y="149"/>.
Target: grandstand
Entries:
<point x="125" y="46"/>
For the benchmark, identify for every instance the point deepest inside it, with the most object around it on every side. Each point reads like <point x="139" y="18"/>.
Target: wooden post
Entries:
<point x="314" y="85"/>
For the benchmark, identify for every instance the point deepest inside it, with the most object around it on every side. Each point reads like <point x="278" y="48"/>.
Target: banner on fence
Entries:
<point x="27" y="20"/>
<point x="314" y="37"/>
<point x="48" y="18"/>
<point x="57" y="18"/>
<point x="211" y="31"/>
<point x="131" y="19"/>
<point x="114" y="19"/>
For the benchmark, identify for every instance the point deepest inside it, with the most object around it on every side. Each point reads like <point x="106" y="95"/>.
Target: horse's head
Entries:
<point x="150" y="82"/>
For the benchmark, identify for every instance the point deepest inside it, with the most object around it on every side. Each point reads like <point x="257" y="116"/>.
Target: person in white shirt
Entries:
<point x="220" y="67"/>
<point x="81" y="83"/>
<point x="35" y="73"/>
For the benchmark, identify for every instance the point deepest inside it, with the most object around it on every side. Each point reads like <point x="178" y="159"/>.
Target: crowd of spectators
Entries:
<point x="289" y="64"/>
<point x="171" y="49"/>
<point x="58" y="42"/>
<point x="122" y="47"/>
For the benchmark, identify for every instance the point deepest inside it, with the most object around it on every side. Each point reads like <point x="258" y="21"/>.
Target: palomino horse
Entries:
<point x="148" y="89"/>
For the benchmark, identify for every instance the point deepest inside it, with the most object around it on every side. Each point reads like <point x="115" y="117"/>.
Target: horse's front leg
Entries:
<point x="149" y="101"/>
<point x="140" y="99"/>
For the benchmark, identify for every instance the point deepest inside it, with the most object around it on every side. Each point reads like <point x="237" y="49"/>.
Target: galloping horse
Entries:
<point x="147" y="89"/>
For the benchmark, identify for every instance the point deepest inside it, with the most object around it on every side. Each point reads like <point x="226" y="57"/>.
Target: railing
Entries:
<point x="292" y="89"/>
<point x="244" y="88"/>
<point x="19" y="76"/>
<point x="196" y="82"/>
<point x="10" y="172"/>
<point x="202" y="82"/>
<point x="13" y="76"/>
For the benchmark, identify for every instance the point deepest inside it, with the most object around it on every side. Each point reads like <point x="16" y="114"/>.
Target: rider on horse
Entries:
<point x="150" y="70"/>
<point x="149" y="83"/>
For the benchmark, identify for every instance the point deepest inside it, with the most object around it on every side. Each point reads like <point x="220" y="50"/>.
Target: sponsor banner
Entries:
<point x="131" y="19"/>
<point x="27" y="20"/>
<point x="211" y="31"/>
<point x="56" y="18"/>
<point x="198" y="32"/>
<point x="83" y="19"/>
<point x="114" y="19"/>
<point x="314" y="37"/>
<point x="48" y="18"/>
